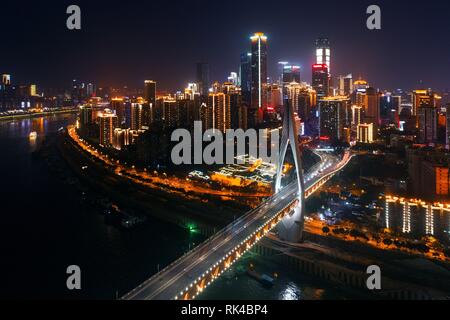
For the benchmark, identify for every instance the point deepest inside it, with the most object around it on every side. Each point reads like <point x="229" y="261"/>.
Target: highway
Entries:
<point x="178" y="276"/>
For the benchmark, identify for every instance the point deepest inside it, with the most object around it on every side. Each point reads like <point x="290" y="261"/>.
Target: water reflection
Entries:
<point x="291" y="292"/>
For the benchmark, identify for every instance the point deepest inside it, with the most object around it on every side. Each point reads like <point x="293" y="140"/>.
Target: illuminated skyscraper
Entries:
<point x="356" y="115"/>
<point x="320" y="79"/>
<point x="291" y="74"/>
<point x="365" y="133"/>
<point x="323" y="52"/>
<point x="137" y="116"/>
<point x="245" y="77"/>
<point x="372" y="106"/>
<point x="171" y="113"/>
<point x="346" y="85"/>
<point x="233" y="78"/>
<point x="333" y="113"/>
<point x="280" y="71"/>
<point x="219" y="111"/>
<point x="86" y="116"/>
<point x="275" y="98"/>
<point x="203" y="78"/>
<point x="389" y="108"/>
<point x="427" y="119"/>
<point x="108" y="122"/>
<point x="302" y="97"/>
<point x="259" y="77"/>
<point x="423" y="98"/>
<point x="118" y="106"/>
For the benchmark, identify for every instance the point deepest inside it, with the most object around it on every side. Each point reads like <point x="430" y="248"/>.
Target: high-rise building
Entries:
<point x="291" y="74"/>
<point x="120" y="138"/>
<point x="418" y="217"/>
<point x="427" y="119"/>
<point x="219" y="111"/>
<point x="191" y="91"/>
<point x="245" y="77"/>
<point x="423" y="98"/>
<point x="346" y="85"/>
<point x="259" y="77"/>
<point x="323" y="52"/>
<point x="107" y="123"/>
<point x="447" y="135"/>
<point x="137" y="116"/>
<point x="280" y="70"/>
<point x="359" y="94"/>
<point x="320" y="79"/>
<point x="33" y="90"/>
<point x="86" y="116"/>
<point x="90" y="90"/>
<point x="356" y="116"/>
<point x="203" y="78"/>
<point x="372" y="106"/>
<point x="233" y="78"/>
<point x="275" y="98"/>
<point x="365" y="133"/>
<point x="428" y="172"/>
<point x="238" y="111"/>
<point x="150" y="92"/>
<point x="333" y="115"/>
<point x="117" y="104"/>
<point x="6" y="79"/>
<point x="171" y="113"/>
<point x="302" y="97"/>
<point x="390" y="108"/>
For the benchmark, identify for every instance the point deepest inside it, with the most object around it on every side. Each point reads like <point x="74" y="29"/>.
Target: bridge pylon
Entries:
<point x="291" y="227"/>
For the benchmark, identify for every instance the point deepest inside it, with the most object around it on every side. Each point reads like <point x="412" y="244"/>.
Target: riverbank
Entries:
<point x="37" y="114"/>
<point x="205" y="216"/>
<point x="344" y="264"/>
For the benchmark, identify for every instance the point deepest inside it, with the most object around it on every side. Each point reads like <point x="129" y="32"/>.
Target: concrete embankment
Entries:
<point x="345" y="265"/>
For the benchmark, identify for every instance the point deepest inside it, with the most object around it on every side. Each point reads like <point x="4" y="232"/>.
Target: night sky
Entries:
<point x="125" y="42"/>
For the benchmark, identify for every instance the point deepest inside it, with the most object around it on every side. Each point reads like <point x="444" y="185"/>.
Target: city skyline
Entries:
<point x="92" y="54"/>
<point x="225" y="151"/>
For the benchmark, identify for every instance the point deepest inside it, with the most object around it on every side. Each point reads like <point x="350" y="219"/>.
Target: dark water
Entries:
<point x="288" y="284"/>
<point x="45" y="227"/>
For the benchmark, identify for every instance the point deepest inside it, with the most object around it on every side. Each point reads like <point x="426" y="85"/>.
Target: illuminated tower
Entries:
<point x="320" y="79"/>
<point x="259" y="76"/>
<point x="291" y="227"/>
<point x="107" y="123"/>
<point x="323" y="52"/>
<point x="423" y="98"/>
<point x="334" y="113"/>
